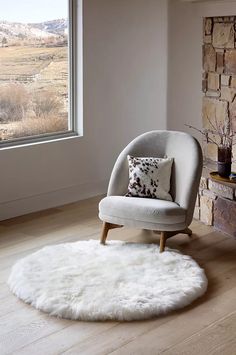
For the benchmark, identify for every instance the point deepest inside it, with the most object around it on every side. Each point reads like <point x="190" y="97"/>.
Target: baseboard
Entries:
<point x="51" y="199"/>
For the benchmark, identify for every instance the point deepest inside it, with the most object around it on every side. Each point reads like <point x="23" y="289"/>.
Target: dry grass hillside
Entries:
<point x="33" y="90"/>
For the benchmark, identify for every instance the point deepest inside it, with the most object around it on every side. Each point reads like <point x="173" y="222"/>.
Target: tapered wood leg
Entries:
<point x="188" y="231"/>
<point x="163" y="241"/>
<point x="105" y="229"/>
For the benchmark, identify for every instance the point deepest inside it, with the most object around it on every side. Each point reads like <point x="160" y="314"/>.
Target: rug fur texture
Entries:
<point x="118" y="281"/>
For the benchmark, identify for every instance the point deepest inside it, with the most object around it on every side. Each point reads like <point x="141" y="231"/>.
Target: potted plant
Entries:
<point x="223" y="136"/>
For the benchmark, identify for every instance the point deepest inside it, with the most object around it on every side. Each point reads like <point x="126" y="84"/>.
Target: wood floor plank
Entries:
<point x="26" y="334"/>
<point x="4" y="291"/>
<point x="60" y="234"/>
<point x="38" y="242"/>
<point x="21" y="317"/>
<point x="190" y="321"/>
<point x="219" y="338"/>
<point x="11" y="238"/>
<point x="10" y="304"/>
<point x="115" y="337"/>
<point x="62" y="340"/>
<point x="29" y="217"/>
<point x="47" y="225"/>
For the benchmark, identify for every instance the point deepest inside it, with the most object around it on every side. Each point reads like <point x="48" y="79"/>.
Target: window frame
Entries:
<point x="75" y="84"/>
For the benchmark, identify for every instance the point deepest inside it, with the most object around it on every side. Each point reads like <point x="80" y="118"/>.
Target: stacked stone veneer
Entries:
<point x="216" y="205"/>
<point x="219" y="75"/>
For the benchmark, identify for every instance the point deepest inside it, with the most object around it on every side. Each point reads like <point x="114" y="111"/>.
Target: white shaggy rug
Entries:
<point x="119" y="281"/>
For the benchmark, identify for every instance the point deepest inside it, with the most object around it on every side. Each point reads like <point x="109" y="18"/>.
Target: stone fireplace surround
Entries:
<point x="216" y="201"/>
<point x="219" y="76"/>
<point x="216" y="204"/>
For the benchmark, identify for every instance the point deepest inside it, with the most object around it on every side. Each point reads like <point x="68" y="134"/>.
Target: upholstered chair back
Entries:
<point x="186" y="171"/>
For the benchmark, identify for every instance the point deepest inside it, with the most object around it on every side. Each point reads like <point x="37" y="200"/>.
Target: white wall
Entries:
<point x="185" y="59"/>
<point x="125" y="87"/>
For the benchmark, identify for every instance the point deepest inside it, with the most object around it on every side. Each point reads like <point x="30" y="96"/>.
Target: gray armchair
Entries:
<point x="167" y="217"/>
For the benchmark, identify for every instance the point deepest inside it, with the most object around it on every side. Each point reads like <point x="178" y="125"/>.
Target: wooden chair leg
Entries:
<point x="188" y="232"/>
<point x="166" y="235"/>
<point x="163" y="241"/>
<point x="105" y="229"/>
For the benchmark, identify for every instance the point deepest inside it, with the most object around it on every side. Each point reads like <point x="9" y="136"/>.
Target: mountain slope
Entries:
<point x="58" y="27"/>
<point x="14" y="30"/>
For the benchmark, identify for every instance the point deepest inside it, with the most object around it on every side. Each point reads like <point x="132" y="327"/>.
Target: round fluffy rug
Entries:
<point x="119" y="281"/>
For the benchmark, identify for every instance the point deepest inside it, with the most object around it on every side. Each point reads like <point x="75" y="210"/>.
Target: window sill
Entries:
<point x="31" y="141"/>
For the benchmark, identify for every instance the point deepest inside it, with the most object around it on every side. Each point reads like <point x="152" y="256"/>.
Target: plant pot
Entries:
<point x="224" y="161"/>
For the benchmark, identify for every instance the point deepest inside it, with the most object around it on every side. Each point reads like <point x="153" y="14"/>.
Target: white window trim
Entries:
<point x="75" y="110"/>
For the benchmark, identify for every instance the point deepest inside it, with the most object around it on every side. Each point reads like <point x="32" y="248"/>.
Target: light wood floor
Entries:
<point x="206" y="327"/>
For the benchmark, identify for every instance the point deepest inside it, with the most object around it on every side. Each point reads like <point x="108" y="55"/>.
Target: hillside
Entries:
<point x="58" y="27"/>
<point x="17" y="31"/>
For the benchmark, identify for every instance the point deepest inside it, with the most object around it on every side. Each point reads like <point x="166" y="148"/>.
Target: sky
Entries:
<point x="32" y="10"/>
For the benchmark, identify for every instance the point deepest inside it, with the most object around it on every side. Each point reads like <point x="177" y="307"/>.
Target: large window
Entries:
<point x="39" y="58"/>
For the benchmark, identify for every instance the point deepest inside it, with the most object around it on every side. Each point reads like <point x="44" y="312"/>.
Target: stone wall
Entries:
<point x="216" y="205"/>
<point x="219" y="75"/>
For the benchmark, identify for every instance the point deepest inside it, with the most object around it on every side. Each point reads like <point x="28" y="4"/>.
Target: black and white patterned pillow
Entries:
<point x="149" y="177"/>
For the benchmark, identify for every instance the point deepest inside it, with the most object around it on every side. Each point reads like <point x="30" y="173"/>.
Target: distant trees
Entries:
<point x="14" y="101"/>
<point x="4" y="42"/>
<point x="47" y="103"/>
<point x="44" y="112"/>
<point x="21" y="36"/>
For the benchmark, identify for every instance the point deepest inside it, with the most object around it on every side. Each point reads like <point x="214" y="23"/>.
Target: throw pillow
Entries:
<point x="149" y="177"/>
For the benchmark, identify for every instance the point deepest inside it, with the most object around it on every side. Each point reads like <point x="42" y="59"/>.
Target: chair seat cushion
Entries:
<point x="142" y="209"/>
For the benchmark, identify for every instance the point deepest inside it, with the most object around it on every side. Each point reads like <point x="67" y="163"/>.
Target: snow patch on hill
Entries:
<point x="13" y="30"/>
